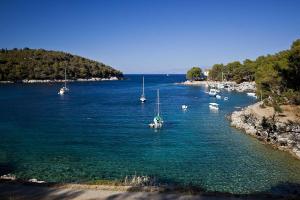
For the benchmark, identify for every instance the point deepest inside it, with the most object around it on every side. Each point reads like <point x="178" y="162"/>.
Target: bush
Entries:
<point x="292" y="96"/>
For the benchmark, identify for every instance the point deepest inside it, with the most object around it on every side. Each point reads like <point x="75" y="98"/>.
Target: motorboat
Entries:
<point x="184" y="107"/>
<point x="214" y="106"/>
<point x="251" y="94"/>
<point x="212" y="92"/>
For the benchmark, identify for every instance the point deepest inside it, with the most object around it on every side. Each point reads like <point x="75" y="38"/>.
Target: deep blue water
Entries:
<point x="100" y="131"/>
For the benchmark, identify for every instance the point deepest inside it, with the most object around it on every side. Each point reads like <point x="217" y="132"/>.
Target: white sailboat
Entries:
<point x="64" y="89"/>
<point x="143" y="97"/>
<point x="157" y="121"/>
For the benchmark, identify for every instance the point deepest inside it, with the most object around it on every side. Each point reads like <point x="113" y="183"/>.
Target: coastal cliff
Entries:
<point x="281" y="130"/>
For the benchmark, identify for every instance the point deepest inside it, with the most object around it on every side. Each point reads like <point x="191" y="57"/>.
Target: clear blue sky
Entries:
<point x="152" y="36"/>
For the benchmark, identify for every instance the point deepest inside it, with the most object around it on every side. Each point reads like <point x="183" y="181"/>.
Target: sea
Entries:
<point x="100" y="131"/>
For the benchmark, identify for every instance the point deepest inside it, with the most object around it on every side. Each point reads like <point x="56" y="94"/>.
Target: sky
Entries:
<point x="152" y="36"/>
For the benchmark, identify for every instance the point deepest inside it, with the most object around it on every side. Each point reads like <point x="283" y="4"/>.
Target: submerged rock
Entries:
<point x="11" y="177"/>
<point x="33" y="180"/>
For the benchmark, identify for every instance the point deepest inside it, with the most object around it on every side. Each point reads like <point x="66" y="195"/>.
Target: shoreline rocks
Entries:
<point x="194" y="83"/>
<point x="280" y="133"/>
<point x="113" y="78"/>
<point x="10" y="177"/>
<point x="233" y="86"/>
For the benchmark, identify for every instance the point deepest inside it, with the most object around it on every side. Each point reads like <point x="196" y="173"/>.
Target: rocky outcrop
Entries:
<point x="245" y="86"/>
<point x="11" y="177"/>
<point x="284" y="135"/>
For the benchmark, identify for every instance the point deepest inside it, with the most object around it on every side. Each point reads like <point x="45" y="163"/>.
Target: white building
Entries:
<point x="206" y="72"/>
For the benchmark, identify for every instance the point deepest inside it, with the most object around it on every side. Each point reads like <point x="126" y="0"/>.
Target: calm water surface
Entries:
<point x="99" y="131"/>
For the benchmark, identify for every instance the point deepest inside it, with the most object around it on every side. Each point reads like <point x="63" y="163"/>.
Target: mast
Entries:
<point x="65" y="78"/>
<point x="143" y="94"/>
<point x="157" y="102"/>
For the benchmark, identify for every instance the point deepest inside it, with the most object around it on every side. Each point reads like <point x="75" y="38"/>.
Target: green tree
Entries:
<point x="216" y="72"/>
<point x="291" y="74"/>
<point x="195" y="73"/>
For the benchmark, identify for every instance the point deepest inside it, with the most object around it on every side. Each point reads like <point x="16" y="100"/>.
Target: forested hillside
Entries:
<point x="40" y="64"/>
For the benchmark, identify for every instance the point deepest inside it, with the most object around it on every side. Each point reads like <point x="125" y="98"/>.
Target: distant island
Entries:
<point x="17" y="65"/>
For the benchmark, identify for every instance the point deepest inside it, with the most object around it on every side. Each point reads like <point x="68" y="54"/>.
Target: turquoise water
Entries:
<point x="100" y="131"/>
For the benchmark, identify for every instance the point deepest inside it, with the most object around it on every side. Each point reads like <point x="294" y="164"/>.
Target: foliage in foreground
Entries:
<point x="19" y="64"/>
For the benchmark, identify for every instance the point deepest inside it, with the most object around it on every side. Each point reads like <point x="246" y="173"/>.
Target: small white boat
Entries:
<point x="251" y="94"/>
<point x="143" y="97"/>
<point x="214" y="106"/>
<point x="218" y="96"/>
<point x="184" y="107"/>
<point x="225" y="98"/>
<point x="157" y="121"/>
<point x="220" y="85"/>
<point x="212" y="92"/>
<point x="64" y="89"/>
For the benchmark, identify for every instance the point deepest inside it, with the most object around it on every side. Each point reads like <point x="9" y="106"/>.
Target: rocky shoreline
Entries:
<point x="282" y="131"/>
<point x="233" y="86"/>
<point x="113" y="78"/>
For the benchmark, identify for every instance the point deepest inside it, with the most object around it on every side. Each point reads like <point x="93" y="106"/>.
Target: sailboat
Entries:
<point x="157" y="121"/>
<point x="64" y="89"/>
<point x="143" y="97"/>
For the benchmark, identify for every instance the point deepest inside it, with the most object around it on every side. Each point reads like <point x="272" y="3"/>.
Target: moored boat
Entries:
<point x="184" y="107"/>
<point x="251" y="94"/>
<point x="214" y="106"/>
<point x="64" y="89"/>
<point x="143" y="97"/>
<point x="157" y="121"/>
<point x="212" y="92"/>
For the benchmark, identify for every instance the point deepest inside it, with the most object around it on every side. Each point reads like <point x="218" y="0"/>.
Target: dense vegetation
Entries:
<point x="195" y="73"/>
<point x="19" y="64"/>
<point x="277" y="76"/>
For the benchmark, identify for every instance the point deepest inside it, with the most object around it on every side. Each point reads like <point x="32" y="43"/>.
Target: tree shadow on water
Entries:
<point x="6" y="168"/>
